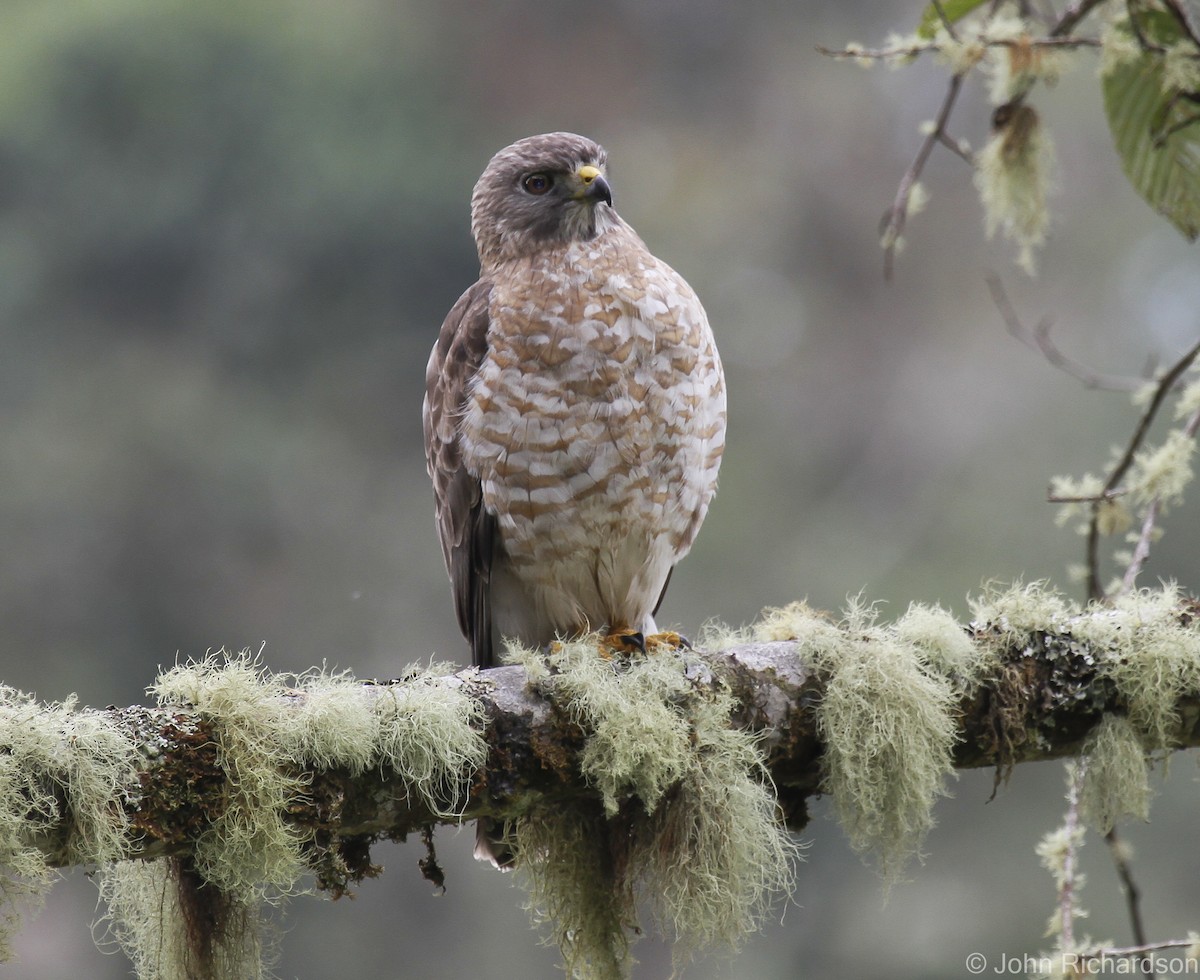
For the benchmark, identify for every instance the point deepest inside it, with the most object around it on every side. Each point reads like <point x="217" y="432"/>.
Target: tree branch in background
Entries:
<point x="1075" y="14"/>
<point x="1072" y="837"/>
<point x="1111" y="488"/>
<point x="1038" y="339"/>
<point x="1017" y="51"/>
<point x="1171" y="380"/>
<point x="1141" y="551"/>
<point x="892" y="226"/>
<point x="1119" y="852"/>
<point x="1059" y="852"/>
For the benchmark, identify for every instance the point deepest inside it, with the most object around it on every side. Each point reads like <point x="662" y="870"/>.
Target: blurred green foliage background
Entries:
<point x="228" y="234"/>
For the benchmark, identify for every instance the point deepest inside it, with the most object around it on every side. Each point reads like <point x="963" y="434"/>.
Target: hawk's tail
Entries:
<point x="493" y="844"/>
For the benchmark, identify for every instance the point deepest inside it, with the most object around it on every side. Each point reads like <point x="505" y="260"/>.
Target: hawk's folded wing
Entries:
<point x="466" y="529"/>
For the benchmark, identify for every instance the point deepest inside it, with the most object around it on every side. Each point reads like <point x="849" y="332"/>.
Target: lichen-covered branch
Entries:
<point x="670" y="778"/>
<point x="1023" y="689"/>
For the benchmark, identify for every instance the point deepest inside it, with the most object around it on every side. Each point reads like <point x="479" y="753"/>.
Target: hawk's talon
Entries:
<point x="623" y="643"/>
<point x="669" y="640"/>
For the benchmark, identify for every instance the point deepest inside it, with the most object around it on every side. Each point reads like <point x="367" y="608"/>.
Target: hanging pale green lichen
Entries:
<point x="269" y="727"/>
<point x="59" y="763"/>
<point x="1115" y="778"/>
<point x="886" y="720"/>
<point x="1013" y="174"/>
<point x="688" y="822"/>
<point x="148" y="917"/>
<point x="1151" y="657"/>
<point x="575" y="896"/>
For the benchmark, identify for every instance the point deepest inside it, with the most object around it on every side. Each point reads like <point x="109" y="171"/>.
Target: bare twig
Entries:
<point x="1066" y="889"/>
<point x="1162" y="389"/>
<point x="878" y="54"/>
<point x="1141" y="551"/>
<point x="946" y="21"/>
<point x="916" y="48"/>
<point x="1142" y="950"/>
<point x="956" y="147"/>
<point x="1179" y="12"/>
<point x="1133" y="895"/>
<point x="1161" y="137"/>
<point x="1084" y="498"/>
<point x="1038" y="339"/>
<point x="897" y="215"/>
<point x="1176" y="10"/>
<point x="1073" y="15"/>
<point x="1143" y="42"/>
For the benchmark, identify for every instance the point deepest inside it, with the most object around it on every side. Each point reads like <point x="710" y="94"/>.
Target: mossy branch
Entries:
<point x="670" y="778"/>
<point x="1024" y="688"/>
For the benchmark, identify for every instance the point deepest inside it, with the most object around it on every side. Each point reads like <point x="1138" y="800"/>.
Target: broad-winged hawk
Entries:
<point x="574" y="410"/>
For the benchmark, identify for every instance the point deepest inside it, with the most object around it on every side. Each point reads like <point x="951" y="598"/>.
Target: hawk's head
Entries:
<point x="541" y="190"/>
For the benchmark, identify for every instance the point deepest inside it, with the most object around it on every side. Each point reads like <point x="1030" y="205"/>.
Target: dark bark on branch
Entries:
<point x="1041" y="701"/>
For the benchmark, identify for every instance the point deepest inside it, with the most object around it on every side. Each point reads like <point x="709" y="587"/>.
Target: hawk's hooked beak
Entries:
<point x="595" y="187"/>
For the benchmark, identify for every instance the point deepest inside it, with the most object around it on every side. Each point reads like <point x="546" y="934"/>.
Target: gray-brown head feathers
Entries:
<point x="540" y="190"/>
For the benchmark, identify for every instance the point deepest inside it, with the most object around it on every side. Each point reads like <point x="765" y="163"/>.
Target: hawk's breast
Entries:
<point x="596" y="421"/>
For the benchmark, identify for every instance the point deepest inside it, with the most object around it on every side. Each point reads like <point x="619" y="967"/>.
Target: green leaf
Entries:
<point x="1158" y="147"/>
<point x="955" y="10"/>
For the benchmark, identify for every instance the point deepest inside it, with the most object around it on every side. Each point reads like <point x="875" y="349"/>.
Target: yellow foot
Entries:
<point x="622" y="643"/>
<point x="625" y="642"/>
<point x="667" y="640"/>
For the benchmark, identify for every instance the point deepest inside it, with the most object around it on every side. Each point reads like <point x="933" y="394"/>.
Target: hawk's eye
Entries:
<point x="537" y="183"/>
